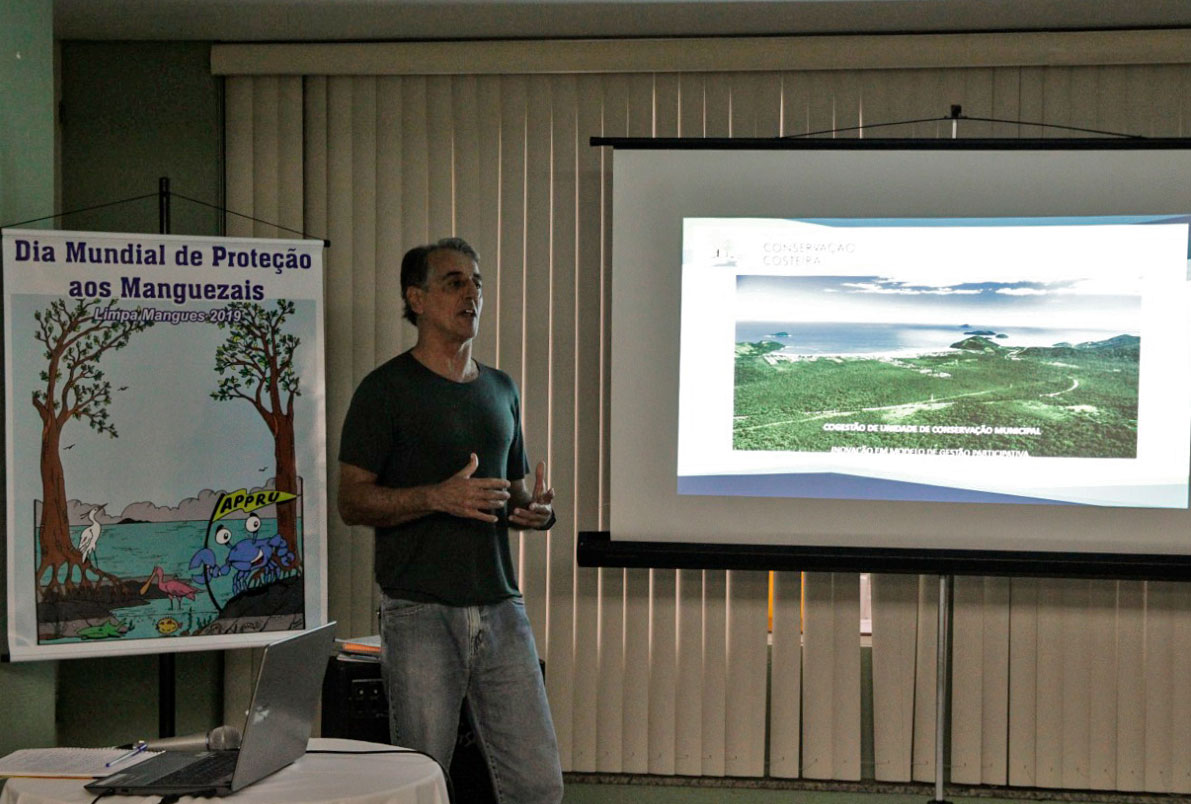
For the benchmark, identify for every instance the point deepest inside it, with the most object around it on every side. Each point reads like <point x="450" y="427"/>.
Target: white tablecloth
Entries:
<point x="313" y="779"/>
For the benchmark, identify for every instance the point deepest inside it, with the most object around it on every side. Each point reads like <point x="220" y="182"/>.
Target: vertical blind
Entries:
<point x="1056" y="683"/>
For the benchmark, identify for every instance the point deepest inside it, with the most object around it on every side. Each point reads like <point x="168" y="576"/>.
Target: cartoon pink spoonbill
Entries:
<point x="173" y="588"/>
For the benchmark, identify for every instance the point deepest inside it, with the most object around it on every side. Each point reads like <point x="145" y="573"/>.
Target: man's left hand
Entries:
<point x="538" y="513"/>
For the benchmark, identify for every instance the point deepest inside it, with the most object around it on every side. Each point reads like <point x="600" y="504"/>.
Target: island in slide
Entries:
<point x="977" y="397"/>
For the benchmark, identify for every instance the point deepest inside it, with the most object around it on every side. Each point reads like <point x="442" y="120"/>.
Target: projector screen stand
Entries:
<point x="942" y="685"/>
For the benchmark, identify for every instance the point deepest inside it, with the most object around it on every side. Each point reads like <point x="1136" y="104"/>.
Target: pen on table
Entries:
<point x="136" y="749"/>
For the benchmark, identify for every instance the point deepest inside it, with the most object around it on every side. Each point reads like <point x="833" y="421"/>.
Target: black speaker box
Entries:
<point x="354" y="701"/>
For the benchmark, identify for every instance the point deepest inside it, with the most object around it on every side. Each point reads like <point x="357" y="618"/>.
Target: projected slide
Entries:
<point x="1038" y="360"/>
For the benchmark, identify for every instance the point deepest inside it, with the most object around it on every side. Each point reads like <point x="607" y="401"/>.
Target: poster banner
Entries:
<point x="165" y="434"/>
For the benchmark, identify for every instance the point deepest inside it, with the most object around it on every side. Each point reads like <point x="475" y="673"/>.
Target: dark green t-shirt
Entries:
<point x="412" y="427"/>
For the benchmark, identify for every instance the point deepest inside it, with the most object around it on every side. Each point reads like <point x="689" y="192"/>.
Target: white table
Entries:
<point x="313" y="779"/>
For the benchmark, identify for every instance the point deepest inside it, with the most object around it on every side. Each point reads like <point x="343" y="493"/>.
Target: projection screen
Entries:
<point x="968" y="356"/>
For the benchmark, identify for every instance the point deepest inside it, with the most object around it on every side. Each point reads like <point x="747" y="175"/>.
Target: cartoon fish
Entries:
<point x="167" y="625"/>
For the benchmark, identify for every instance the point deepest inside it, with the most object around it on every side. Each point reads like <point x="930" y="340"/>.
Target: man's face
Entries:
<point x="452" y="299"/>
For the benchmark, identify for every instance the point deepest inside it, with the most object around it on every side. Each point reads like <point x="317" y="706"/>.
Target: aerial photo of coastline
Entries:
<point x="1007" y="369"/>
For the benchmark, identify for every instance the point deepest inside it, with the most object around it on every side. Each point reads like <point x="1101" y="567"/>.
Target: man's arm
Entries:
<point x="362" y="501"/>
<point x="531" y="510"/>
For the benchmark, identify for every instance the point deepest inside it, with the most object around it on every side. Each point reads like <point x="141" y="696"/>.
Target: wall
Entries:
<point x="133" y="112"/>
<point x="26" y="191"/>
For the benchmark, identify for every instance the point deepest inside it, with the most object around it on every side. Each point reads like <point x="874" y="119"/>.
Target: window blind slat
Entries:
<point x="1076" y="698"/>
<point x="1023" y="681"/>
<point x="845" y="727"/>
<point x="662" y="672"/>
<point x="818" y="688"/>
<point x="639" y="111"/>
<point x="559" y="450"/>
<point x="239" y="172"/>
<point x="689" y="687"/>
<point x="348" y="561"/>
<point x="1048" y="703"/>
<point x="587" y="497"/>
<point x="1180" y="698"/>
<point x="387" y="302"/>
<point x="361" y="156"/>
<point x="1130" y="686"/>
<point x="786" y="677"/>
<point x="359" y="106"/>
<point x="747" y="628"/>
<point x="536" y="379"/>
<point x="635" y="723"/>
<point x="715" y="671"/>
<point x="895" y="628"/>
<point x="290" y="185"/>
<point x="925" y="680"/>
<point x="994" y="681"/>
<point x="610" y="664"/>
<point x="1158" y="671"/>
<point x="967" y="702"/>
<point x="266" y="159"/>
<point x="1102" y="684"/>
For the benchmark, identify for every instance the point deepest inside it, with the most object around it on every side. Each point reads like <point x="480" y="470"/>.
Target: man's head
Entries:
<point x="415" y="268"/>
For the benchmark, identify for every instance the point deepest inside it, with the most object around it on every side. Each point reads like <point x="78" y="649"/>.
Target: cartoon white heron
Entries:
<point x="90" y="536"/>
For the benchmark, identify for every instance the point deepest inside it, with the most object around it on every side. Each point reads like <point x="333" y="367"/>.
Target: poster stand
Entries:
<point x="167" y="669"/>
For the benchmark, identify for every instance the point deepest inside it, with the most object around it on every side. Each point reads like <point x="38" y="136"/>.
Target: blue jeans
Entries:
<point x="434" y="656"/>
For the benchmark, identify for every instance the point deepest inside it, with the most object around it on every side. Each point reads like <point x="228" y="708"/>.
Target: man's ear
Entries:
<point x="414" y="297"/>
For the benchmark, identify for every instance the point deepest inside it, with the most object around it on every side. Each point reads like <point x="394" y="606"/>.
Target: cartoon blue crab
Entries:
<point x="248" y="557"/>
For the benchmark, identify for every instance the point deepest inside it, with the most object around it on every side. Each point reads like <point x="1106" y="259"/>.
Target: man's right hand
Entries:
<point x="471" y="497"/>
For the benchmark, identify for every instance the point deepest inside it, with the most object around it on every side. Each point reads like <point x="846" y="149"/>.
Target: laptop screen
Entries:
<point x="284" y="703"/>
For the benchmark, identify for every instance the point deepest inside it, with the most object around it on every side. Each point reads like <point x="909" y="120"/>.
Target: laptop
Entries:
<point x="284" y="703"/>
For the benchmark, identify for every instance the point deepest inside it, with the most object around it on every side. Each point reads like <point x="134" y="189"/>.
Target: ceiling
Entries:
<point x="361" y="20"/>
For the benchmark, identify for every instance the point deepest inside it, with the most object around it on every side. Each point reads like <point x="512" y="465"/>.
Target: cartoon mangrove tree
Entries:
<point x="76" y="336"/>
<point x="256" y="364"/>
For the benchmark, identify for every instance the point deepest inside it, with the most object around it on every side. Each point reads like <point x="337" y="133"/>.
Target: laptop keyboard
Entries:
<point x="208" y="770"/>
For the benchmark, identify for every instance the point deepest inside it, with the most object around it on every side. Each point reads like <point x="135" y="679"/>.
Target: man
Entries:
<point x="432" y="457"/>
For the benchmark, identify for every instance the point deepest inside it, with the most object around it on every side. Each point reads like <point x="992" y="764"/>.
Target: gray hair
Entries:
<point x="415" y="267"/>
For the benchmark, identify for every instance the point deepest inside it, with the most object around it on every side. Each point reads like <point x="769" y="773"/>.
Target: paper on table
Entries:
<point x="68" y="763"/>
